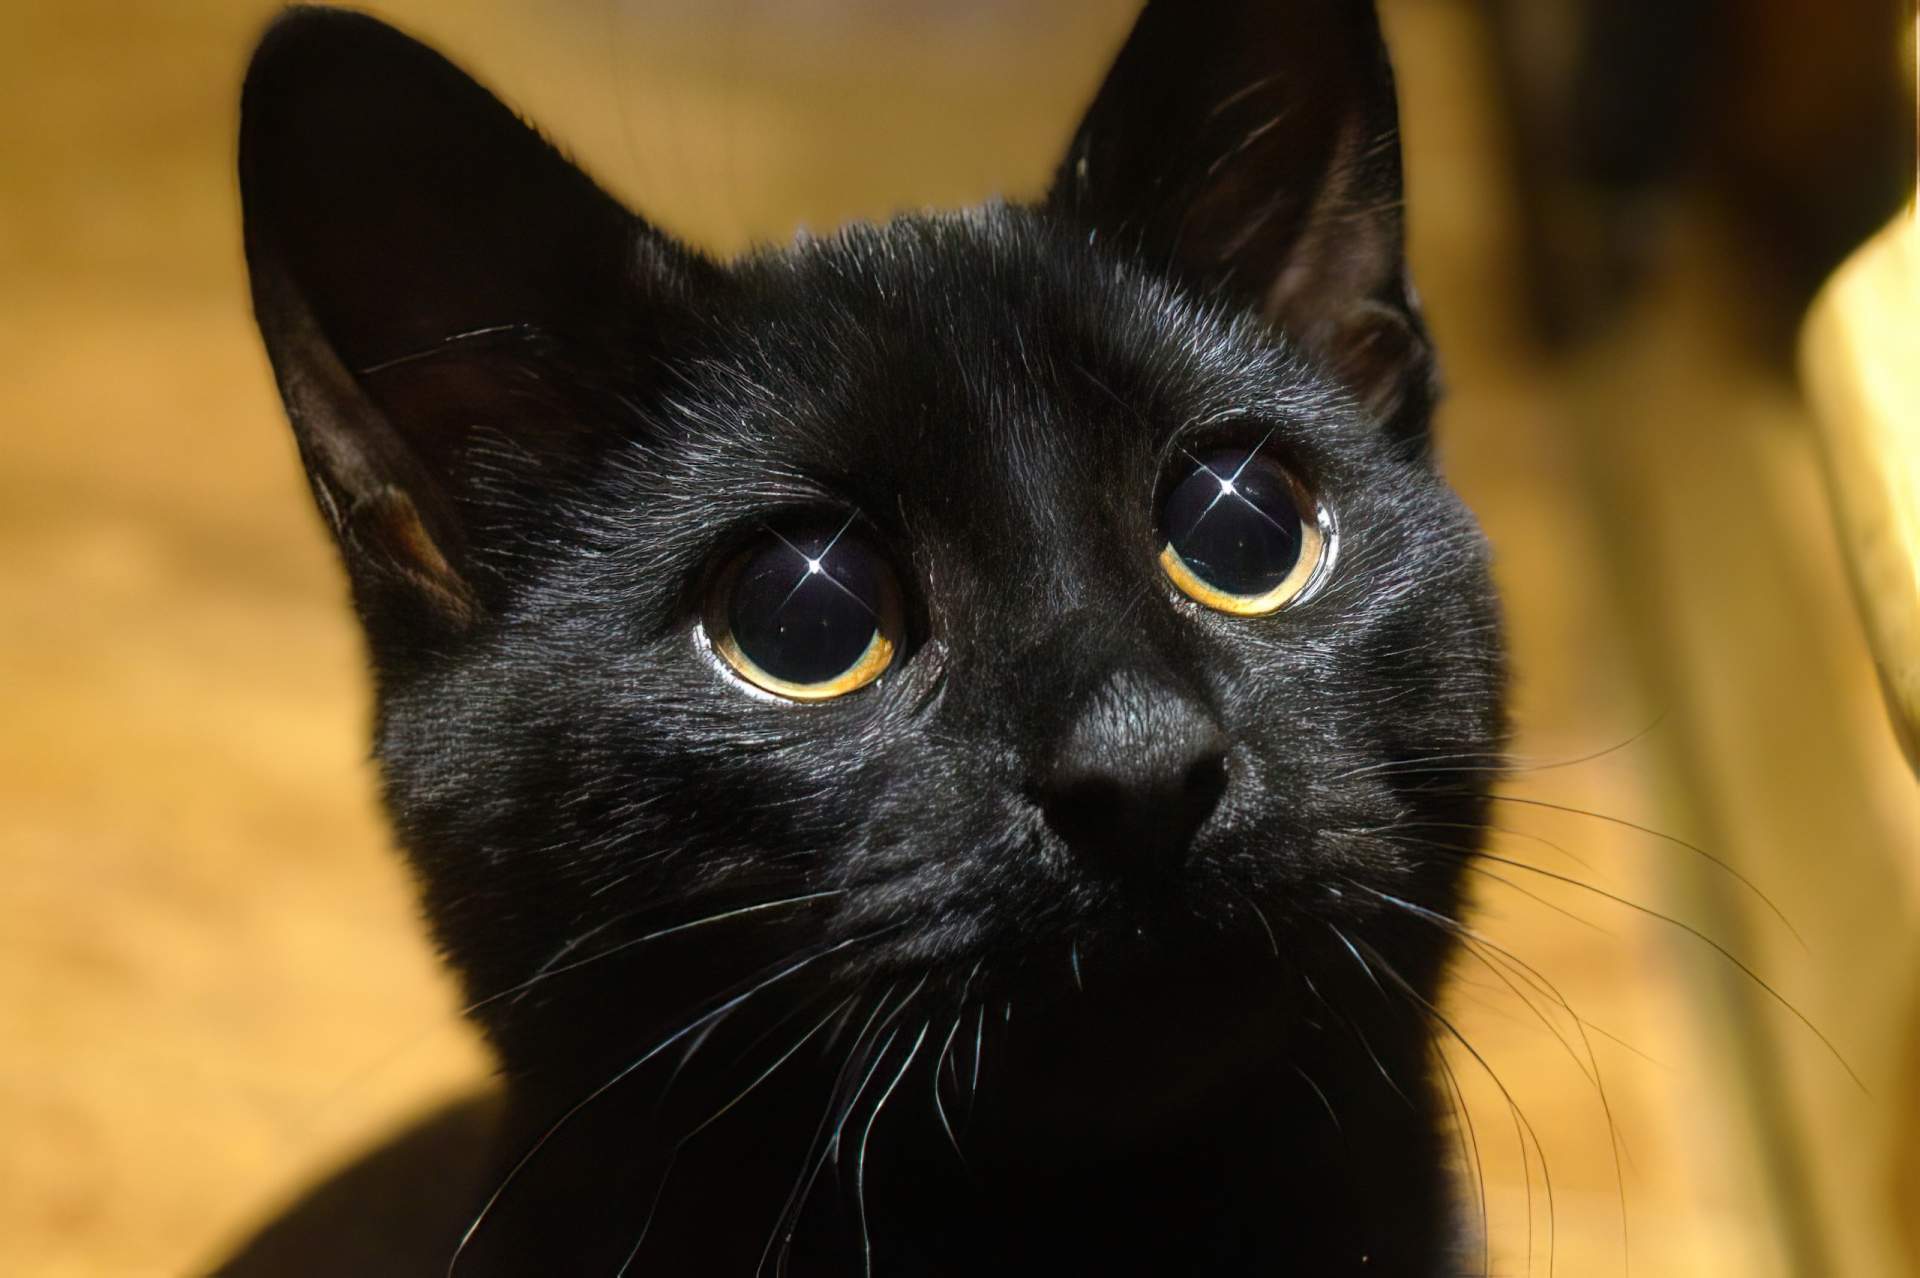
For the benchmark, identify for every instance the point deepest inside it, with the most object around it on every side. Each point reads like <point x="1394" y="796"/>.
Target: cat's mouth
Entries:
<point x="1086" y="980"/>
<point x="1175" y="932"/>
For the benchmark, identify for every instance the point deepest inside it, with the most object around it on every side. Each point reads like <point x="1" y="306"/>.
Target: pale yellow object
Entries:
<point x="1860" y="357"/>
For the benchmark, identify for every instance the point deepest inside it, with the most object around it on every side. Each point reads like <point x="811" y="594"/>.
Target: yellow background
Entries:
<point x="212" y="982"/>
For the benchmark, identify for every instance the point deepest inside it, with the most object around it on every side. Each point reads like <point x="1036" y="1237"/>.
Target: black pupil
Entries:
<point x="1234" y="522"/>
<point x="805" y="605"/>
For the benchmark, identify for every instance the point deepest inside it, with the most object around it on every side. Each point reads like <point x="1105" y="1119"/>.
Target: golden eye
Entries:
<point x="1242" y="537"/>
<point x="809" y="614"/>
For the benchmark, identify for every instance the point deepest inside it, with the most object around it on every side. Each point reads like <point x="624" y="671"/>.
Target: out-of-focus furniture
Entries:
<point x="1860" y="359"/>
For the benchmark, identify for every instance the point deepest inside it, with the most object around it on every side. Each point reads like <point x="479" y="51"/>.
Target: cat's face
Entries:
<point x="1012" y="607"/>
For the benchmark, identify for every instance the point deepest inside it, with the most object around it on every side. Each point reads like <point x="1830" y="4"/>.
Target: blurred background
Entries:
<point x="213" y="985"/>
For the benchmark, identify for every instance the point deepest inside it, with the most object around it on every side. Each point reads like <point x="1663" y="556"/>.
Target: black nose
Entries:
<point x="1136" y="773"/>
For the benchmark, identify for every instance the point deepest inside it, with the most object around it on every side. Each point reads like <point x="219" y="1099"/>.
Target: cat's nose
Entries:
<point x="1137" y="772"/>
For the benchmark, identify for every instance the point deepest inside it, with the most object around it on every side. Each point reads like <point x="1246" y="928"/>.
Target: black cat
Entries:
<point x="936" y="750"/>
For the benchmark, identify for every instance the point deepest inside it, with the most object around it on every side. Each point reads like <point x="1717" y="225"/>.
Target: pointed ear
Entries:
<point x="418" y="257"/>
<point x="1251" y="148"/>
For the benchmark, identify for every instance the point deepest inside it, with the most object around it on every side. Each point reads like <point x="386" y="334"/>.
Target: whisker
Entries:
<point x="1519" y="966"/>
<point x="646" y="1226"/>
<point x="1457" y="1098"/>
<point x="547" y="971"/>
<point x="836" y="1117"/>
<point x="1324" y="1102"/>
<point x="879" y="1056"/>
<point x="625" y="1072"/>
<point x="803" y="1184"/>
<point x="1744" y="968"/>
<point x="1360" y="1037"/>
<point x="1266" y="924"/>
<point x="674" y="1156"/>
<point x="939" y="1103"/>
<point x="1538" y="899"/>
<point x="1499" y="762"/>
<point x="979" y="1032"/>
<point x="860" y="1159"/>
<point x="1472" y="828"/>
<point x="767" y="1073"/>
<point x="1474" y="944"/>
<point x="1724" y="866"/>
<point x="1513" y="1107"/>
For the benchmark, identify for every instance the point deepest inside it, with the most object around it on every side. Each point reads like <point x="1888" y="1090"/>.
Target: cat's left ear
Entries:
<point x="1251" y="148"/>
<point x="429" y="275"/>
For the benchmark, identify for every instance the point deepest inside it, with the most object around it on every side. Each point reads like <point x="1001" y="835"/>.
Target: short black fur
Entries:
<point x="930" y="977"/>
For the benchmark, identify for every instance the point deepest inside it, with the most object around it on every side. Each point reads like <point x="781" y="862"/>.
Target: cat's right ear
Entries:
<point x="1250" y="148"/>
<point x="417" y="253"/>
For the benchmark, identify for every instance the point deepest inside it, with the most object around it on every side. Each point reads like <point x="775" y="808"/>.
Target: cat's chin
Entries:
<point x="1123" y="1040"/>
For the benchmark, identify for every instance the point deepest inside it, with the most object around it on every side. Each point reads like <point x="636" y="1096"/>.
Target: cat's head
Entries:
<point x="974" y="608"/>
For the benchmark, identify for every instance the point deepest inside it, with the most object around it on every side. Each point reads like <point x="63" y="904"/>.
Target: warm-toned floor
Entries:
<point x="211" y="979"/>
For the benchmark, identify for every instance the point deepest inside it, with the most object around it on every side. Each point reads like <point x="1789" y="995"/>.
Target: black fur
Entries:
<point x="536" y="426"/>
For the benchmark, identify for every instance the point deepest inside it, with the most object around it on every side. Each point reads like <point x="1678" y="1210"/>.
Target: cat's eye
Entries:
<point x="806" y="612"/>
<point x="1242" y="536"/>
